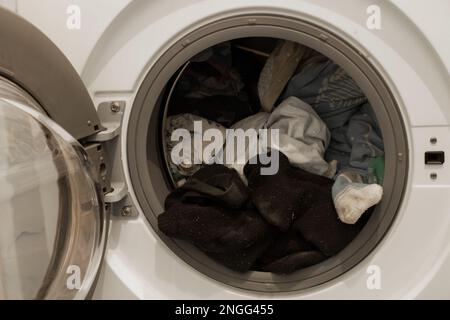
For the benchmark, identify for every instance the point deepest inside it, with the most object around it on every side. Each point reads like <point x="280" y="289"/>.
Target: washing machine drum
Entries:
<point x="53" y="222"/>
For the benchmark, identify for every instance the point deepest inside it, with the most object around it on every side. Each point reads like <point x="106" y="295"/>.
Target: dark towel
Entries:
<point x="281" y="198"/>
<point x="293" y="262"/>
<point x="289" y="252"/>
<point x="296" y="195"/>
<point x="273" y="196"/>
<point x="243" y="260"/>
<point x="321" y="226"/>
<point x="206" y="215"/>
<point x="225" y="110"/>
<point x="218" y="184"/>
<point x="213" y="228"/>
<point x="290" y="223"/>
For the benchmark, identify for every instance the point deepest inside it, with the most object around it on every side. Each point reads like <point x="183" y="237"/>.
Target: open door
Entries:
<point x="53" y="221"/>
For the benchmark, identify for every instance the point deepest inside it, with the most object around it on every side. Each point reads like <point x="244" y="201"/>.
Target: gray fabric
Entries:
<point x="304" y="137"/>
<point x="257" y="121"/>
<point x="188" y="167"/>
<point x="279" y="68"/>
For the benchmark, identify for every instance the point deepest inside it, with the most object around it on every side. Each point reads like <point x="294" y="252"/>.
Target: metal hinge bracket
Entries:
<point x="116" y="196"/>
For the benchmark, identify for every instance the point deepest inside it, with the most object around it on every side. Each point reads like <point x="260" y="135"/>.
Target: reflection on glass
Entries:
<point x="50" y="217"/>
<point x="29" y="204"/>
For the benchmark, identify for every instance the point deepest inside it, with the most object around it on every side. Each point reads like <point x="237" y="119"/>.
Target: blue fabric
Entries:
<point x="337" y="99"/>
<point x="357" y="143"/>
<point x="329" y="90"/>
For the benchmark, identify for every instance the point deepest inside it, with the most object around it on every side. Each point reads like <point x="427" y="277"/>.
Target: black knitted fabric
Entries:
<point x="280" y="223"/>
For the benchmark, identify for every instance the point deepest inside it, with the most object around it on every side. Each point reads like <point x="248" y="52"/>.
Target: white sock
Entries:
<point x="355" y="199"/>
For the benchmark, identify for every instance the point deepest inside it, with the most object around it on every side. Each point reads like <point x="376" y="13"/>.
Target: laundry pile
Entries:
<point x="331" y="158"/>
<point x="279" y="223"/>
<point x="356" y="141"/>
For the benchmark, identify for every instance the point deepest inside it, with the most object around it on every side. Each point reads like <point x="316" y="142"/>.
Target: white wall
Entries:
<point x="9" y="4"/>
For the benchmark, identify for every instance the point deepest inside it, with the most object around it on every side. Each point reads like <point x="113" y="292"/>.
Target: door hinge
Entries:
<point x="103" y="149"/>
<point x="110" y="114"/>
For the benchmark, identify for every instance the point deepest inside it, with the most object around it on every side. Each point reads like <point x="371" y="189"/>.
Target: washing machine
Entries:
<point x="84" y="87"/>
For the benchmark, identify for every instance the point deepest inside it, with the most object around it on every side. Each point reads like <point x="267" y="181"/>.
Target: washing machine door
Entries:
<point x="53" y="222"/>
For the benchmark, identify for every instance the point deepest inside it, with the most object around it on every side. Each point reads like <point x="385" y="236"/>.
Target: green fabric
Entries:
<point x="376" y="168"/>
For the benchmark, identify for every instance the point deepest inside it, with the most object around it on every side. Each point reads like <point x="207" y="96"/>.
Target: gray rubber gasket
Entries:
<point x="147" y="166"/>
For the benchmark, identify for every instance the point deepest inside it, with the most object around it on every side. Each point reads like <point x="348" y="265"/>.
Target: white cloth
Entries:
<point x="257" y="121"/>
<point x="352" y="197"/>
<point x="303" y="137"/>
